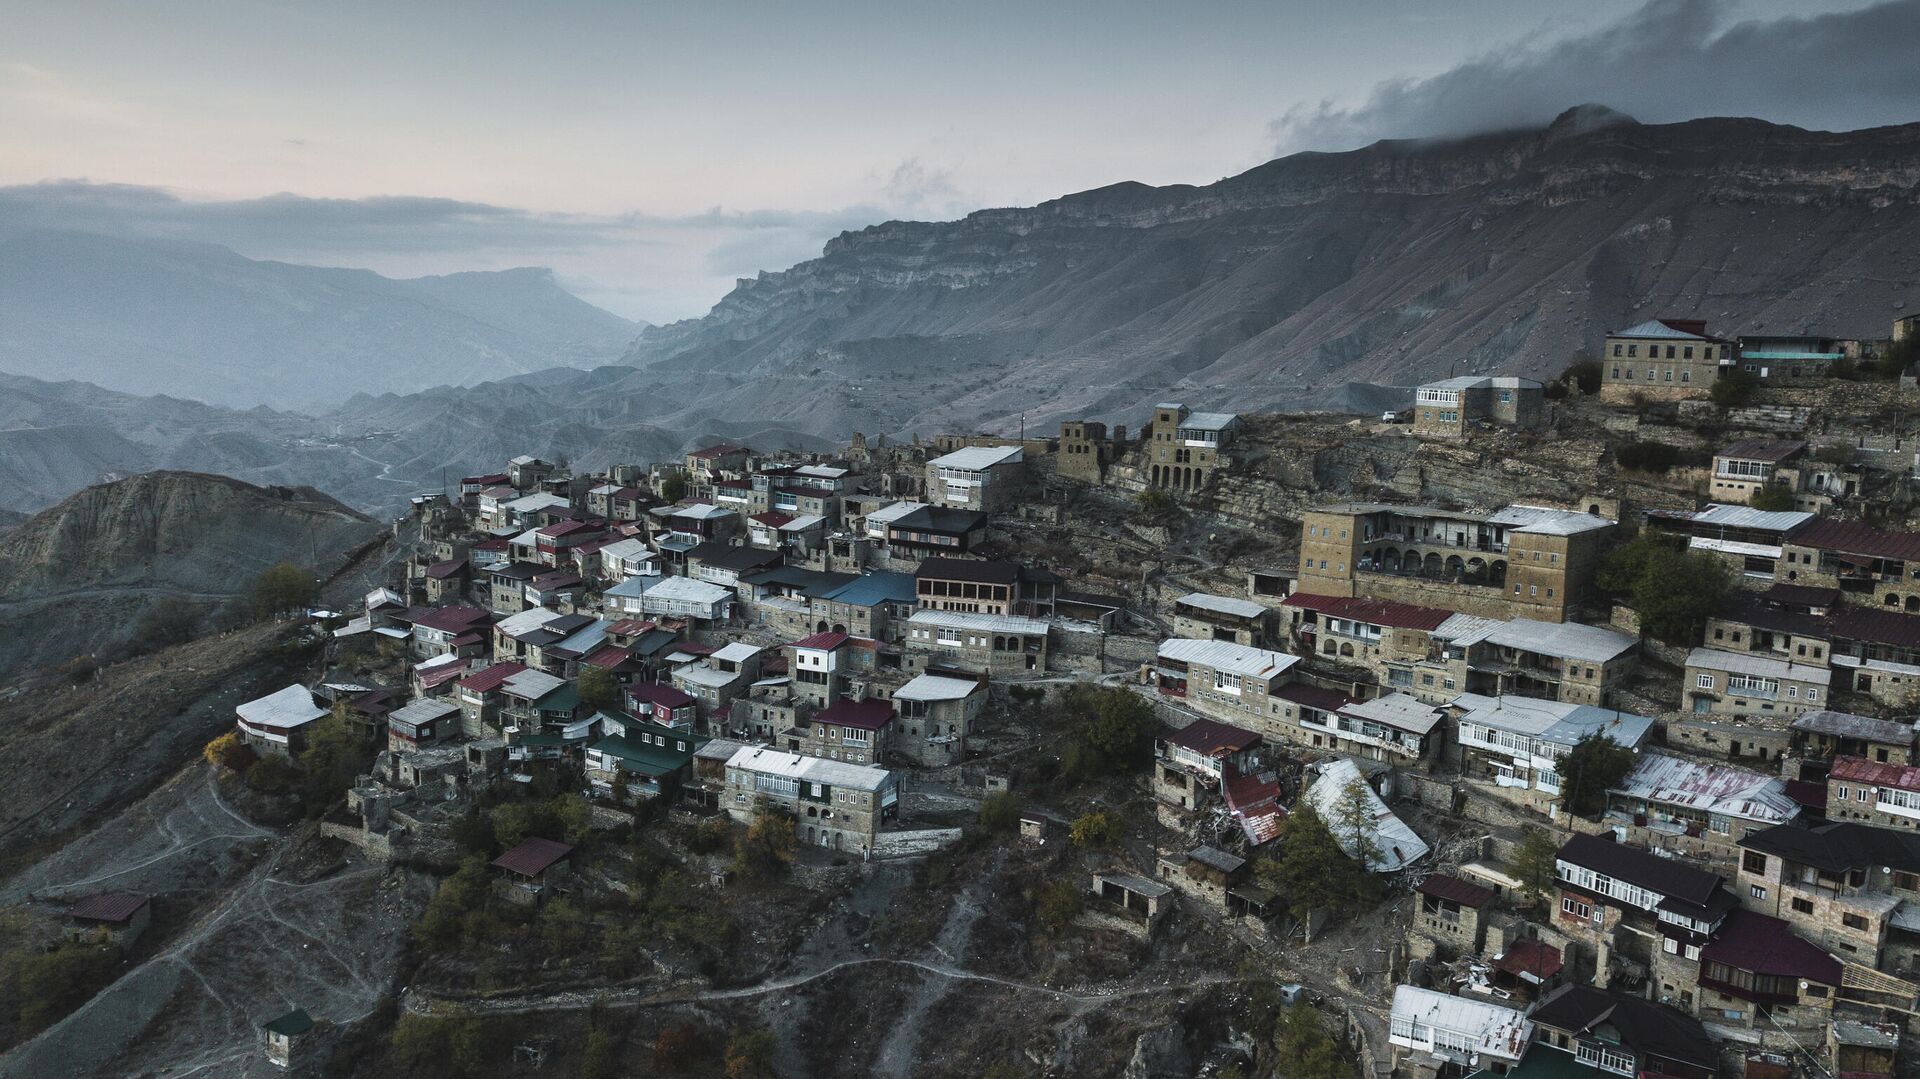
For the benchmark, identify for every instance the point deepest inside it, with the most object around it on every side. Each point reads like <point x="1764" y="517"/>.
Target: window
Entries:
<point x="1693" y="952"/>
<point x="1855" y="922"/>
<point x="1756" y="891"/>
<point x="1670" y="945"/>
<point x="1704" y="681"/>
<point x="1753" y="862"/>
<point x="1575" y="907"/>
<point x="1801" y="905"/>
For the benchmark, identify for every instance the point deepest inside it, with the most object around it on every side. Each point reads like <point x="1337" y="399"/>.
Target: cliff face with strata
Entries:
<point x="1283" y="285"/>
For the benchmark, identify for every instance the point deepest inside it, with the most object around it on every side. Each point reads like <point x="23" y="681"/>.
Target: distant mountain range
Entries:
<point x="1289" y="284"/>
<point x="149" y="316"/>
<point x="1314" y="281"/>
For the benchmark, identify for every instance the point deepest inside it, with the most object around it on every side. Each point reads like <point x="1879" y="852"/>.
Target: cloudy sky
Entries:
<point x="652" y="152"/>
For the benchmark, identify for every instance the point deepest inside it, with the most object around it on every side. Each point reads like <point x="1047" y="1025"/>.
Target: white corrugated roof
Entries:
<point x="1210" y="421"/>
<point x="893" y="511"/>
<point x="737" y="652"/>
<point x="1492" y="1028"/>
<point x="1654" y="328"/>
<point x="1719" y="513"/>
<point x="1465" y="629"/>
<point x="689" y="590"/>
<point x="1712" y="659"/>
<point x="1396" y="710"/>
<point x="1226" y="656"/>
<point x="1568" y="640"/>
<point x="282" y="709"/>
<point x="933" y="687"/>
<point x="990" y="623"/>
<point x="1240" y="608"/>
<point x="769" y="761"/>
<point x="532" y="685"/>
<point x="1546" y="520"/>
<point x="1396" y="846"/>
<point x="978" y="458"/>
<point x="526" y="621"/>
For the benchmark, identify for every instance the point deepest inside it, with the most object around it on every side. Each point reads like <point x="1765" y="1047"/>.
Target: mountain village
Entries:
<point x="1533" y="729"/>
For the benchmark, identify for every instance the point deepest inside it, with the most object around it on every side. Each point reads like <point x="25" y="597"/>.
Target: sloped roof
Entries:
<point x="533" y="856"/>
<point x="1395" y="845"/>
<point x="1761" y="944"/>
<point x="1861" y="770"/>
<point x="1644" y="1026"/>
<point x="978" y="458"/>
<point x="1839" y="846"/>
<point x="1852" y="537"/>
<point x="1772" y="450"/>
<point x="111" y="907"/>
<point x="1709" y="787"/>
<point x="1210" y="738"/>
<point x="868" y="715"/>
<point x="1239" y="608"/>
<point x="1224" y="656"/>
<point x="1665" y="876"/>
<point x="282" y="710"/>
<point x="1455" y="890"/>
<point x="1378" y="612"/>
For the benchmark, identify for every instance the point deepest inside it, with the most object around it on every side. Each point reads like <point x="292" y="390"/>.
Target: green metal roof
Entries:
<point x="1791" y="355"/>
<point x="294" y="1022"/>
<point x="1545" y="1062"/>
<point x="645" y="759"/>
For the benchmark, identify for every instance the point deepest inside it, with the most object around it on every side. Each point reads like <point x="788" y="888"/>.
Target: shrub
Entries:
<point x="767" y="846"/>
<point x="271" y="775"/>
<point x="1099" y="829"/>
<point x="1584" y="373"/>
<point x="1155" y="506"/>
<point x="1058" y="904"/>
<point x="1109" y="730"/>
<point x="169" y="621"/>
<point x="749" y="1055"/>
<point x="1772" y="497"/>
<point x="1655" y="457"/>
<point x="1000" y="811"/>
<point x="229" y="752"/>
<point x="710" y="836"/>
<point x="1734" y="387"/>
<point x="79" y="669"/>
<point x="283" y="587"/>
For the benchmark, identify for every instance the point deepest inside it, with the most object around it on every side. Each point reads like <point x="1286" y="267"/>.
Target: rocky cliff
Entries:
<point x="1284" y="285"/>
<point x="76" y="578"/>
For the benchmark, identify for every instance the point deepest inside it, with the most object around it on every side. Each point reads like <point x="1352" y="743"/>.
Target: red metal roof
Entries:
<point x="1754" y="942"/>
<point x="1455" y="890"/>
<point x="1852" y="537"/>
<point x="825" y="642"/>
<point x="452" y="567"/>
<point x="1212" y="739"/>
<point x="771" y="518"/>
<point x="609" y="656"/>
<point x="1377" y="612"/>
<point x="451" y="619"/>
<point x="655" y="693"/>
<point x="1326" y="700"/>
<point x="533" y="857"/>
<point x="490" y="679"/>
<point x="564" y="528"/>
<point x="1531" y="956"/>
<point x="108" y="907"/>
<point x="1876" y="626"/>
<point x="1861" y="770"/>
<point x="1254" y="799"/>
<point x="441" y="675"/>
<point x="721" y="450"/>
<point x="867" y="715"/>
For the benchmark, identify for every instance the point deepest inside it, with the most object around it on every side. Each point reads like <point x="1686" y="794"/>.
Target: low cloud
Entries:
<point x="654" y="267"/>
<point x="1670" y="60"/>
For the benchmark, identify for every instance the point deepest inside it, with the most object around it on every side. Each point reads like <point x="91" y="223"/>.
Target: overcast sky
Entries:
<point x="652" y="152"/>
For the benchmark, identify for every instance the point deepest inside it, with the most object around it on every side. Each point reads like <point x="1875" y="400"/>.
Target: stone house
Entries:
<point x="528" y="871"/>
<point x="875" y="606"/>
<point x="120" y="916"/>
<point x="979" y="478"/>
<point x="1824" y="734"/>
<point x="1668" y="359"/>
<point x="1696" y="809"/>
<point x="422" y="723"/>
<point x="999" y="645"/>
<point x="1871" y="566"/>
<point x="1748" y="684"/>
<point x="1192" y="762"/>
<point x="1452" y="407"/>
<point x="1743" y="468"/>
<point x="1516" y="741"/>
<point x="284" y="1037"/>
<point x="1758" y="974"/>
<point x="855" y="731"/>
<point x="1224" y="681"/>
<point x="833" y="804"/>
<point x="1085" y="451"/>
<point x="937" y="713"/>
<point x="1748" y="541"/>
<point x="981" y="587"/>
<point x="1450" y="910"/>
<point x="716" y="681"/>
<point x="480" y="697"/>
<point x="1434" y="1034"/>
<point x="1530" y="561"/>
<point x="1184" y="448"/>
<point x="1556" y="661"/>
<point x="1839" y="885"/>
<point x="276" y="724"/>
<point x="1223" y="618"/>
<point x="1887" y="795"/>
<point x="1622" y="1035"/>
<point x="1214" y="877"/>
<point x="934" y="531"/>
<point x="1670" y="906"/>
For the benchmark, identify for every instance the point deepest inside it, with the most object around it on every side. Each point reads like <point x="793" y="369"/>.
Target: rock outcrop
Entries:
<point x="75" y="579"/>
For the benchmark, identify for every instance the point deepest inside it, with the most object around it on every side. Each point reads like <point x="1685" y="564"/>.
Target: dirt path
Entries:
<point x="255" y="943"/>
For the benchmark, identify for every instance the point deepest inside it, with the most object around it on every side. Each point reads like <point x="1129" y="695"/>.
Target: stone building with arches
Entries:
<point x="1184" y="448"/>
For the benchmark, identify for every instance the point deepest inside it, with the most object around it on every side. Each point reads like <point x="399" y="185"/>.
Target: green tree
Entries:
<point x="1595" y="765"/>
<point x="170" y="621"/>
<point x="282" y="588"/>
<point x="1110" y="730"/>
<point x="51" y="984"/>
<point x="768" y="845"/>
<point x="1000" y="811"/>
<point x="1674" y="590"/>
<point x="445" y="919"/>
<point x="1353" y="822"/>
<point x="335" y="755"/>
<point x="1583" y="372"/>
<point x="1057" y="905"/>
<point x="1533" y="864"/>
<point x="598" y="688"/>
<point x="1734" y="387"/>
<point x="1098" y="829"/>
<point x="600" y="1058"/>
<point x="674" y="487"/>
<point x="1308" y="1050"/>
<point x="1155" y="506"/>
<point x="1312" y="872"/>
<point x="1773" y="497"/>
<point x="749" y="1055"/>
